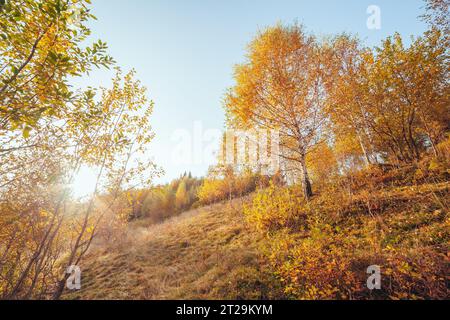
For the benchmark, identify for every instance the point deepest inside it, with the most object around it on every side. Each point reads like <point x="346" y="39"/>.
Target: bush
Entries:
<point x="322" y="249"/>
<point x="275" y="208"/>
<point x="318" y="267"/>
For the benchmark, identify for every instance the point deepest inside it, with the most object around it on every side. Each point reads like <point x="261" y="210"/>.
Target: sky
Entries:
<point x="184" y="52"/>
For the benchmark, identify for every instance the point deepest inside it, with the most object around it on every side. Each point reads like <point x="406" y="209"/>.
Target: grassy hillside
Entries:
<point x="273" y="245"/>
<point x="207" y="253"/>
<point x="397" y="220"/>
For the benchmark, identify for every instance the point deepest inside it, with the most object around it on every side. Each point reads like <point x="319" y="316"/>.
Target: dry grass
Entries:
<point x="212" y="253"/>
<point x="207" y="253"/>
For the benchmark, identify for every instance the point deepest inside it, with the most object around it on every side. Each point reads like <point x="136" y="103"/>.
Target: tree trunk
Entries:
<point x="363" y="147"/>
<point x="306" y="183"/>
<point x="60" y="288"/>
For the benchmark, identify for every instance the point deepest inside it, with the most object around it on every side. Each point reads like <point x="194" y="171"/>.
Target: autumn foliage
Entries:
<point x="49" y="129"/>
<point x="322" y="249"/>
<point x="364" y="149"/>
<point x="364" y="136"/>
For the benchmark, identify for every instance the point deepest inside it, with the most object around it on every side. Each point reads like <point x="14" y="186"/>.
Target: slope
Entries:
<point x="207" y="253"/>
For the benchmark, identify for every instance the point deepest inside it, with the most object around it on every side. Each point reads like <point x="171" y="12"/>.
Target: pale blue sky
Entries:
<point x="184" y="50"/>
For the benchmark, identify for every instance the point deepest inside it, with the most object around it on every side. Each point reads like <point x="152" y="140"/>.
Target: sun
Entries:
<point x="84" y="182"/>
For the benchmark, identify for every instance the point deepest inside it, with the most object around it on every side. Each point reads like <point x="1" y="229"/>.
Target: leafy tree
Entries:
<point x="437" y="15"/>
<point x="182" y="196"/>
<point x="346" y="106"/>
<point x="48" y="130"/>
<point x="40" y="50"/>
<point x="281" y="87"/>
<point x="40" y="223"/>
<point x="394" y="101"/>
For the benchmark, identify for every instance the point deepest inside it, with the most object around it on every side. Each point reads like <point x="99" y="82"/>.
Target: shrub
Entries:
<point x="318" y="267"/>
<point x="322" y="249"/>
<point x="275" y="208"/>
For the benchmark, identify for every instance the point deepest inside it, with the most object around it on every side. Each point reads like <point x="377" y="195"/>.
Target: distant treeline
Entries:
<point x="187" y="192"/>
